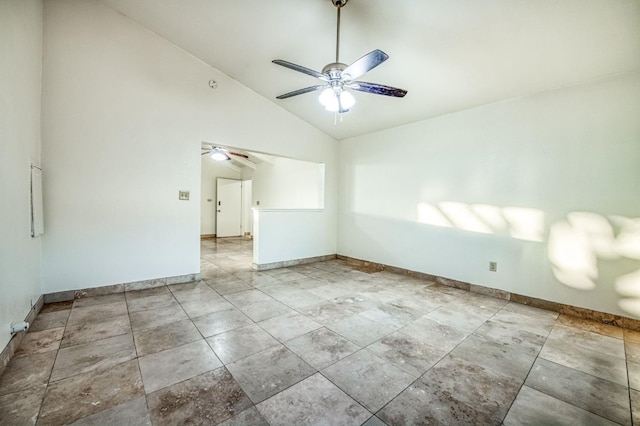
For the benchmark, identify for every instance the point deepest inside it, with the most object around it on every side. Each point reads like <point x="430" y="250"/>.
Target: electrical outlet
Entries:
<point x="183" y="195"/>
<point x="493" y="266"/>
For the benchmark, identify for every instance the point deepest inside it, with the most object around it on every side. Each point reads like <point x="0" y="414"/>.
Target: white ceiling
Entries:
<point x="449" y="54"/>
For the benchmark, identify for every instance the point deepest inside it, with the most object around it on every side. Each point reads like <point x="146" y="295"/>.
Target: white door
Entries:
<point x="229" y="208"/>
<point x="247" y="213"/>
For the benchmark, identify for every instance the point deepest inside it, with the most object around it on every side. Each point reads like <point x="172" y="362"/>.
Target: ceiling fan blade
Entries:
<point x="377" y="89"/>
<point x="302" y="91"/>
<point x="364" y="64"/>
<point x="300" y="68"/>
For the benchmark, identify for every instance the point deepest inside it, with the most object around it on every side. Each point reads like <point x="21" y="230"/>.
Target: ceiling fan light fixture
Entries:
<point x="336" y="100"/>
<point x="218" y="154"/>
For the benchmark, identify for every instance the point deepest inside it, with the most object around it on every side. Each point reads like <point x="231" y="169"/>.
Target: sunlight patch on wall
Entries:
<point x="597" y="230"/>
<point x="628" y="241"/>
<point x="491" y="215"/>
<point x="524" y="223"/>
<point x="463" y="217"/>
<point x="520" y="222"/>
<point x="577" y="245"/>
<point x="574" y="262"/>
<point x="432" y="216"/>
<point x="629" y="285"/>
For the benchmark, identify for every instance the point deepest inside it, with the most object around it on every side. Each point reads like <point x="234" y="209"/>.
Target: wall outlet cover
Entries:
<point x="183" y="195"/>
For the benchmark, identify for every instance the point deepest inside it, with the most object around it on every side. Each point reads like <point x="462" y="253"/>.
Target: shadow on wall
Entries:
<point x="578" y="247"/>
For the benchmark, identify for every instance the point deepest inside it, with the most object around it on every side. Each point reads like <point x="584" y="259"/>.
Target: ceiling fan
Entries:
<point x="221" y="154"/>
<point x="337" y="77"/>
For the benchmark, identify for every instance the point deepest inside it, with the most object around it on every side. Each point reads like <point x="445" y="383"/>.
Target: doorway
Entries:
<point x="228" y="207"/>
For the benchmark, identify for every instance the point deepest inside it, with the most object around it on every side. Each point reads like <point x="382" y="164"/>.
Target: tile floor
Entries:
<point x="316" y="344"/>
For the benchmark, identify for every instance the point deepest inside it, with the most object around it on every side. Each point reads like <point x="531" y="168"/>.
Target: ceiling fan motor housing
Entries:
<point x="334" y="70"/>
<point x="339" y="3"/>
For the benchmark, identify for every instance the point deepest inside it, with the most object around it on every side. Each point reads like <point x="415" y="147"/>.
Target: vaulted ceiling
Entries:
<point x="449" y="54"/>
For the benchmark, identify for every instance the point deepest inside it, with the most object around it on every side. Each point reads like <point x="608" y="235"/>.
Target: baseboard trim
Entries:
<point x="11" y="347"/>
<point x="574" y="311"/>
<point x="62" y="296"/>
<point x="207" y="236"/>
<point x="293" y="262"/>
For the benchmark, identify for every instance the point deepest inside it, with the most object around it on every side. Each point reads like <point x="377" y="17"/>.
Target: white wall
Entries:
<point x="288" y="184"/>
<point x="20" y="105"/>
<point x="211" y="170"/>
<point x="281" y="235"/>
<point x="124" y="113"/>
<point x="546" y="185"/>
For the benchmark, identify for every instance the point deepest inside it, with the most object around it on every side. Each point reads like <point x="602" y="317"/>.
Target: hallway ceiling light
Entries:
<point x="219" y="154"/>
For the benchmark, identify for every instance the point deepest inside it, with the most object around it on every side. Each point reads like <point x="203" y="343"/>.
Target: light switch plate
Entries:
<point x="183" y="195"/>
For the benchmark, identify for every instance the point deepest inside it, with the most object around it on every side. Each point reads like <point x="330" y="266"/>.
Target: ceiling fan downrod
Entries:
<point x="339" y="4"/>
<point x="334" y="69"/>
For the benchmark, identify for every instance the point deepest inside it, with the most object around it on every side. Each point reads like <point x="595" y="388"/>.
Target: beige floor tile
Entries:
<point x="98" y="300"/>
<point x="55" y="319"/>
<point x="408" y="353"/>
<point x="287" y="327"/>
<point x="152" y="318"/>
<point x="487" y="392"/>
<point x="428" y="330"/>
<point x="152" y="340"/>
<point x="169" y="367"/>
<point x="21" y="408"/>
<point x="158" y="301"/>
<point x="131" y="413"/>
<point x="219" y="322"/>
<point x="586" y="360"/>
<point x="321" y="347"/>
<point x="261" y="311"/>
<point x="86" y="332"/>
<point x="27" y="372"/>
<point x="240" y="343"/>
<point x="313" y="401"/>
<point x="593" y="326"/>
<point x="98" y="355"/>
<point x="508" y="360"/>
<point x="602" y="397"/>
<point x="249" y="417"/>
<point x="206" y="399"/>
<point x="538" y="324"/>
<point x="360" y="330"/>
<point x="635" y="406"/>
<point x="198" y="308"/>
<point x="266" y="373"/>
<point x="533" y="407"/>
<point x="98" y="312"/>
<point x="154" y="291"/>
<point x="40" y="341"/>
<point x="85" y="394"/>
<point x="56" y="306"/>
<point x="580" y="338"/>
<point x="369" y="379"/>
